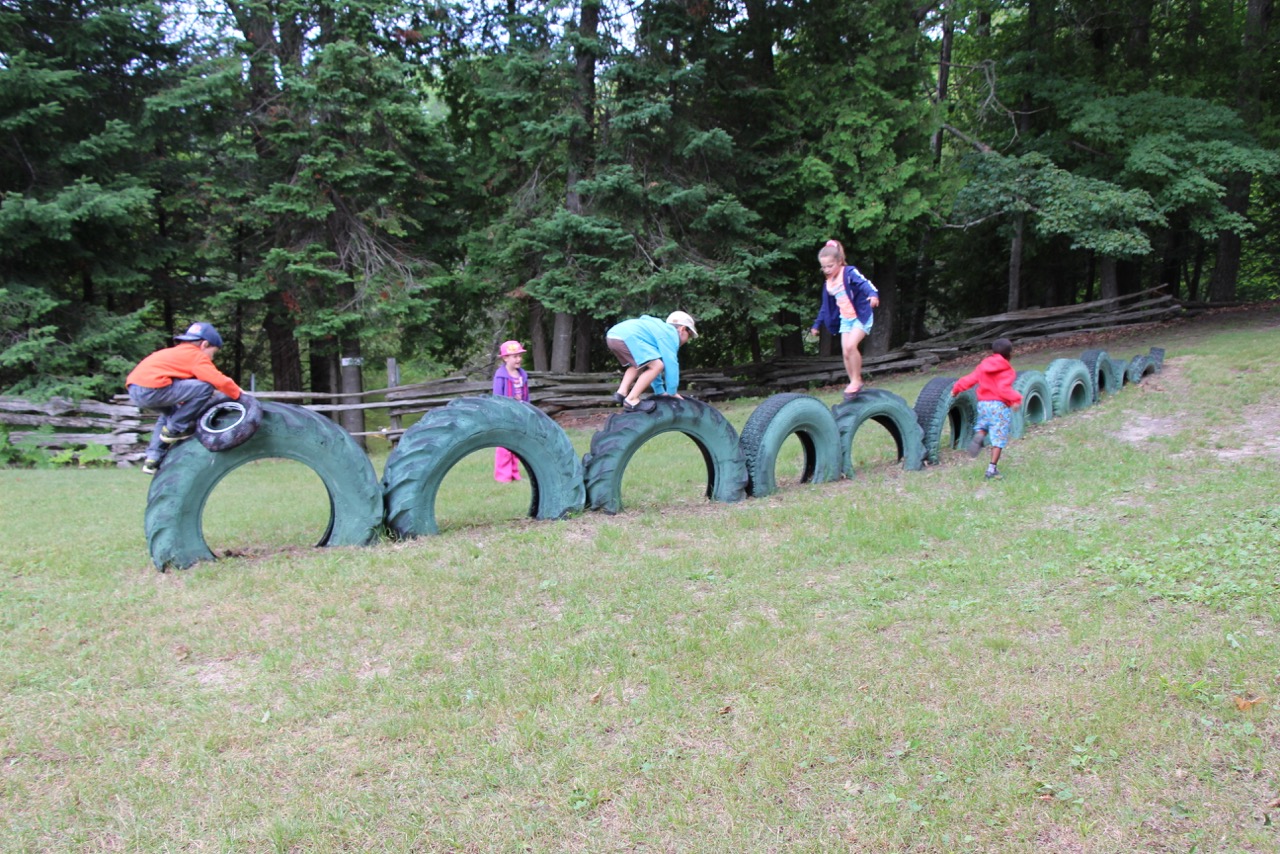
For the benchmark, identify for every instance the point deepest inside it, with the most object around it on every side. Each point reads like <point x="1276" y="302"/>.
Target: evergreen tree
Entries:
<point x="81" y="250"/>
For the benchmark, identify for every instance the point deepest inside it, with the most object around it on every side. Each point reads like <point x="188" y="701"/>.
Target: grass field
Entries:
<point x="1082" y="657"/>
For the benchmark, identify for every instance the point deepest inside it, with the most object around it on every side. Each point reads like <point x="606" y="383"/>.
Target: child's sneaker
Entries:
<point x="169" y="437"/>
<point x="993" y="473"/>
<point x="150" y="466"/>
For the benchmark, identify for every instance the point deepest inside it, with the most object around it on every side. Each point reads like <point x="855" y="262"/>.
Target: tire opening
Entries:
<point x="266" y="505"/>
<point x="667" y="470"/>
<point x="796" y="460"/>
<point x="469" y="496"/>
<point x="875" y="445"/>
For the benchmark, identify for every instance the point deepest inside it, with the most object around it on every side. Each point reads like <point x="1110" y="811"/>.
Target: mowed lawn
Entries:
<point x="1082" y="657"/>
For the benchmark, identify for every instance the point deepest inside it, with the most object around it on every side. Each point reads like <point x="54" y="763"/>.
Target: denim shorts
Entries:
<point x="851" y="324"/>
<point x="994" y="419"/>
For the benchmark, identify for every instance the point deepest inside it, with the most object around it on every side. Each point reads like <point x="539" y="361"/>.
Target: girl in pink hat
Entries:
<point x="510" y="380"/>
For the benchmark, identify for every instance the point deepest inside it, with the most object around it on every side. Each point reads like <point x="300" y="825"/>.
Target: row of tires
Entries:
<point x="403" y="502"/>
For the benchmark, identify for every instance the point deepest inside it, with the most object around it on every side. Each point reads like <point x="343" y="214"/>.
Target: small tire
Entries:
<point x="771" y="423"/>
<point x="229" y="424"/>
<point x="936" y="407"/>
<point x="1155" y="358"/>
<point x="616" y="442"/>
<point x="1101" y="376"/>
<point x="430" y="448"/>
<point x="1070" y="385"/>
<point x="1139" y="369"/>
<point x="176" y="500"/>
<point x="1037" y="402"/>
<point x="889" y="411"/>
<point x="1120" y="367"/>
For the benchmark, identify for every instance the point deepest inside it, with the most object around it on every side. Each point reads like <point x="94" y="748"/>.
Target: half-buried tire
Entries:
<point x="936" y="408"/>
<point x="889" y="411"/>
<point x="1155" y="358"/>
<point x="430" y="448"/>
<point x="175" y="503"/>
<point x="769" y="425"/>
<point x="622" y="435"/>
<point x="229" y="423"/>
<point x="1037" y="402"/>
<point x="1101" y="375"/>
<point x="1070" y="385"/>
<point x="1139" y="369"/>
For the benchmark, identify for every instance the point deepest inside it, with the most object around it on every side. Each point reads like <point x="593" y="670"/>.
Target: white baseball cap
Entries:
<point x="680" y="318"/>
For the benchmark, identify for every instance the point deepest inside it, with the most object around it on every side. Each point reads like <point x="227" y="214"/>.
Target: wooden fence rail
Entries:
<point x="121" y="427"/>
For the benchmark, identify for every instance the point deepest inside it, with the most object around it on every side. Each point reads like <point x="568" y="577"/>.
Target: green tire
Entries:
<point x="431" y="447"/>
<point x="1070" y="385"/>
<point x="1102" y="377"/>
<point x="771" y="423"/>
<point x="936" y="407"/>
<point x="189" y="473"/>
<point x="1037" y="402"/>
<point x="889" y="411"/>
<point x="622" y="435"/>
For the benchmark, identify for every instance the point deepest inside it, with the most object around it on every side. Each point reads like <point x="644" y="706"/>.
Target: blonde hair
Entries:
<point x="832" y="249"/>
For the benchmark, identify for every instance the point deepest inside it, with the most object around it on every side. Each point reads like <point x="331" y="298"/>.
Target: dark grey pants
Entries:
<point x="179" y="405"/>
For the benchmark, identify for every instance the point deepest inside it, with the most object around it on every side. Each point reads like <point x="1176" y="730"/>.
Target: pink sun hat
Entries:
<point x="510" y="348"/>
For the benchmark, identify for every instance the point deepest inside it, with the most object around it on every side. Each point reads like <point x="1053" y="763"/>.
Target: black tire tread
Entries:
<point x="935" y="407"/>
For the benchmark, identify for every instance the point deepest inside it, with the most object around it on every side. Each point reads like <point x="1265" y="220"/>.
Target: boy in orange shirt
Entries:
<point x="178" y="382"/>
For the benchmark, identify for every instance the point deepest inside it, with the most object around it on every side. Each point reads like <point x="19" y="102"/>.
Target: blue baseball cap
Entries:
<point x="201" y="332"/>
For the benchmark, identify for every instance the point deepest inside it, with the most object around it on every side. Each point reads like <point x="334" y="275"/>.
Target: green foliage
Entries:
<point x="25" y="453"/>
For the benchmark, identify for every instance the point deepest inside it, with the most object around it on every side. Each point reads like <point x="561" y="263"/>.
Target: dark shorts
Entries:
<point x="619" y="348"/>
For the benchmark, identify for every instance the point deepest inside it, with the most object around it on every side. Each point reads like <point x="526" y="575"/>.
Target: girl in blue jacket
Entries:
<point x="848" y="298"/>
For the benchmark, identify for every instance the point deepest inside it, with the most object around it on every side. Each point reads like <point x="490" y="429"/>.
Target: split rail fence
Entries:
<point x="122" y="427"/>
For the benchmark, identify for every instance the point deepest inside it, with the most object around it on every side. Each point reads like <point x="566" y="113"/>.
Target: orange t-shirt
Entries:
<point x="184" y="361"/>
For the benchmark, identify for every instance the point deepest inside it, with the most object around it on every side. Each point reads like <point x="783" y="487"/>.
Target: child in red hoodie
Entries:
<point x="997" y="399"/>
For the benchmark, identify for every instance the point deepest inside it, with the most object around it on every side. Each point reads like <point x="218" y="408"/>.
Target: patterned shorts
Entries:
<point x="994" y="418"/>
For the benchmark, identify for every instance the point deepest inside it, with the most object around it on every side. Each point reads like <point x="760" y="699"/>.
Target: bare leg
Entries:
<point x="647" y="375"/>
<point x="849" y="342"/>
<point x="628" y="380"/>
<point x="995" y="455"/>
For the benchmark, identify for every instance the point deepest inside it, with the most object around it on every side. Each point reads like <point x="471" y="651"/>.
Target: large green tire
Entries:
<point x="189" y="473"/>
<point x="769" y="425"/>
<point x="442" y="437"/>
<point x="1139" y="369"/>
<point x="1155" y="357"/>
<point x="1070" y="385"/>
<point x="1101" y="375"/>
<point x="889" y="411"/>
<point x="1037" y="402"/>
<point x="936" y="407"/>
<point x="622" y="435"/>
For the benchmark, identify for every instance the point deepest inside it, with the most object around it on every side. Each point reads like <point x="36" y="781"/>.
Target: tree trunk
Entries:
<point x="584" y="335"/>
<point x="790" y="344"/>
<point x="1108" y="280"/>
<point x="286" y="356"/>
<point x="538" y="336"/>
<point x="886" y="282"/>
<point x="561" y="342"/>
<point x="1015" y="262"/>
<point x="944" y="76"/>
<point x="352" y="382"/>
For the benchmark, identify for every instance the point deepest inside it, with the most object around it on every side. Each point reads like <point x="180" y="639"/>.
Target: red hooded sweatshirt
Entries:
<point x="994" y="378"/>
